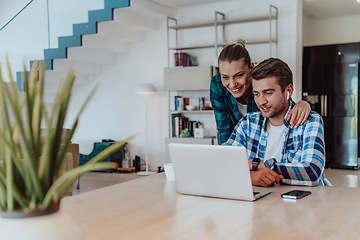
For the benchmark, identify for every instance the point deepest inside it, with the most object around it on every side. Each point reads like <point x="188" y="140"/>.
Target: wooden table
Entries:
<point x="150" y="208"/>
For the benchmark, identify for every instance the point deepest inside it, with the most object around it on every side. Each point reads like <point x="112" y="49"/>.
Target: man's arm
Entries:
<point x="264" y="176"/>
<point x="305" y="166"/>
<point x="239" y="135"/>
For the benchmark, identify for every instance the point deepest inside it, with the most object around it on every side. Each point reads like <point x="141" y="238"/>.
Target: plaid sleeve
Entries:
<point x="306" y="167"/>
<point x="238" y="135"/>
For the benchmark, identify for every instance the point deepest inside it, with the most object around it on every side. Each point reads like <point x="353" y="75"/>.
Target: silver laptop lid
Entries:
<point x="212" y="170"/>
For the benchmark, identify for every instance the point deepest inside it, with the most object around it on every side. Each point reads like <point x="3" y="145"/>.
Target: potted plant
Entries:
<point x="33" y="148"/>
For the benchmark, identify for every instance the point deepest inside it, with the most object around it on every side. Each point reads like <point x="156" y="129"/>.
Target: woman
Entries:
<point x="231" y="93"/>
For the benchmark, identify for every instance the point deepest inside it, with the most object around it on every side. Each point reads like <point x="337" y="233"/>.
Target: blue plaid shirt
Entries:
<point x="303" y="155"/>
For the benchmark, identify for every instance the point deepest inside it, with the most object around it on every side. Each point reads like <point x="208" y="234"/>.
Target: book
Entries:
<point x="186" y="102"/>
<point x="207" y="103"/>
<point x="174" y="124"/>
<point x="184" y="59"/>
<point x="193" y="61"/>
<point x="179" y="103"/>
<point x="201" y="103"/>
<point x="176" y="58"/>
<point x="181" y="125"/>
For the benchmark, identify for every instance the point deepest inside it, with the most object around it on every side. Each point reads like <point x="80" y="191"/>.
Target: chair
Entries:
<point x="72" y="161"/>
<point x="74" y="150"/>
<point x="327" y="182"/>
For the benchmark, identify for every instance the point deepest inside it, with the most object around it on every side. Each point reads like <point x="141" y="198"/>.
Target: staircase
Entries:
<point x="108" y="32"/>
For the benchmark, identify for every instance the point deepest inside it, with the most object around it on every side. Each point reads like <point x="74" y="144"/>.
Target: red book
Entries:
<point x="183" y="59"/>
<point x="176" y="56"/>
<point x="182" y="124"/>
<point x="186" y="102"/>
<point x="207" y="103"/>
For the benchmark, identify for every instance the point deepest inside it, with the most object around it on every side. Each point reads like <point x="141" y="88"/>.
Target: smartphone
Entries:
<point x="295" y="194"/>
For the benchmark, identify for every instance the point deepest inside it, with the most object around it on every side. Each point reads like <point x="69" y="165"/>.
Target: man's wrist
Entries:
<point x="254" y="164"/>
<point x="261" y="165"/>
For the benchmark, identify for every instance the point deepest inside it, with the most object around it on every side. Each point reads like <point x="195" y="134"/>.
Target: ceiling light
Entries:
<point x="358" y="1"/>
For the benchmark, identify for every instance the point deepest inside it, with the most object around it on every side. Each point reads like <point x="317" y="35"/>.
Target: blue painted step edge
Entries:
<point x="90" y="27"/>
<point x="80" y="29"/>
<point x="19" y="76"/>
<point x="19" y="81"/>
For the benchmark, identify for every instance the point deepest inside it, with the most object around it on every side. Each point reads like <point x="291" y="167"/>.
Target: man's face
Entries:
<point x="272" y="102"/>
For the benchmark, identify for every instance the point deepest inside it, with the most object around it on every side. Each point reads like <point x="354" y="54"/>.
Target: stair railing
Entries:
<point x="16" y="15"/>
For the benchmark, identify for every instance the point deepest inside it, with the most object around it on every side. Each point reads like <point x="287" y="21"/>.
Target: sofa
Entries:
<point x="115" y="158"/>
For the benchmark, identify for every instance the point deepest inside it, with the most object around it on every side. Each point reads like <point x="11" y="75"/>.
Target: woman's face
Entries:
<point x="235" y="77"/>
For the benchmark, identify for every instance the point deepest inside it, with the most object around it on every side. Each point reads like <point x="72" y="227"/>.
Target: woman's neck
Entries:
<point x="243" y="99"/>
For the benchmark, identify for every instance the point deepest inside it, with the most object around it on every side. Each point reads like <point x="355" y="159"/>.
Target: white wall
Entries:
<point x="331" y="30"/>
<point x="289" y="30"/>
<point x="26" y="37"/>
<point x="117" y="112"/>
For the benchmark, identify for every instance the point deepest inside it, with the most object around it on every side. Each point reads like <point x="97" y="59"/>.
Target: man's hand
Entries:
<point x="265" y="177"/>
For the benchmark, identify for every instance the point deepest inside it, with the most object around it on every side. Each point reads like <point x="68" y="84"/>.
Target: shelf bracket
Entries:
<point x="216" y="24"/>
<point x="273" y="10"/>
<point x="171" y="21"/>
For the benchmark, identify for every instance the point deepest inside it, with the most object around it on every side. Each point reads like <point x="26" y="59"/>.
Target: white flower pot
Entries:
<point x="54" y="226"/>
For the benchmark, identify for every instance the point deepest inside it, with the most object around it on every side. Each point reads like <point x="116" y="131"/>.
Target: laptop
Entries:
<point x="213" y="171"/>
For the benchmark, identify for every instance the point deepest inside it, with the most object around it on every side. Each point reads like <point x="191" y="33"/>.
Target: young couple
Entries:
<point x="253" y="108"/>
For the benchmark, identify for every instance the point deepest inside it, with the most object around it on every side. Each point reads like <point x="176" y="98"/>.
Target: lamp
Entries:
<point x="146" y="89"/>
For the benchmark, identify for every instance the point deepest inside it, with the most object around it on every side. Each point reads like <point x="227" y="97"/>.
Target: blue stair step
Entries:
<point x="19" y="81"/>
<point x="102" y="15"/>
<point x="19" y="76"/>
<point x="83" y="28"/>
<point x="69" y="41"/>
<point x="53" y="53"/>
<point x="80" y="29"/>
<point x="116" y="3"/>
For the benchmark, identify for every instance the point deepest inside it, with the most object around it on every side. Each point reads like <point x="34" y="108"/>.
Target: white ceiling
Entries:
<point x="331" y="8"/>
<point x="312" y="8"/>
<point x="183" y="3"/>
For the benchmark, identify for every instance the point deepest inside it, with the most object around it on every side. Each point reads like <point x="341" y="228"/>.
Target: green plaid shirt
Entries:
<point x="226" y="109"/>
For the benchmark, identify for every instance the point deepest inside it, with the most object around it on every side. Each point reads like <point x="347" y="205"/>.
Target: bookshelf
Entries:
<point x="194" y="81"/>
<point x="222" y="29"/>
<point x="190" y="86"/>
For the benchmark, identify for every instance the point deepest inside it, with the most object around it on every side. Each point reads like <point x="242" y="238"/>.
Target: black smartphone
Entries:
<point x="295" y="194"/>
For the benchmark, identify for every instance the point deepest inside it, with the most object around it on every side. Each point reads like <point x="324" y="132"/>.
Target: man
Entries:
<point x="277" y="152"/>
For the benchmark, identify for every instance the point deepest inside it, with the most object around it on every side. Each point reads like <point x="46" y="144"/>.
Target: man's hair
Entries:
<point x="273" y="67"/>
